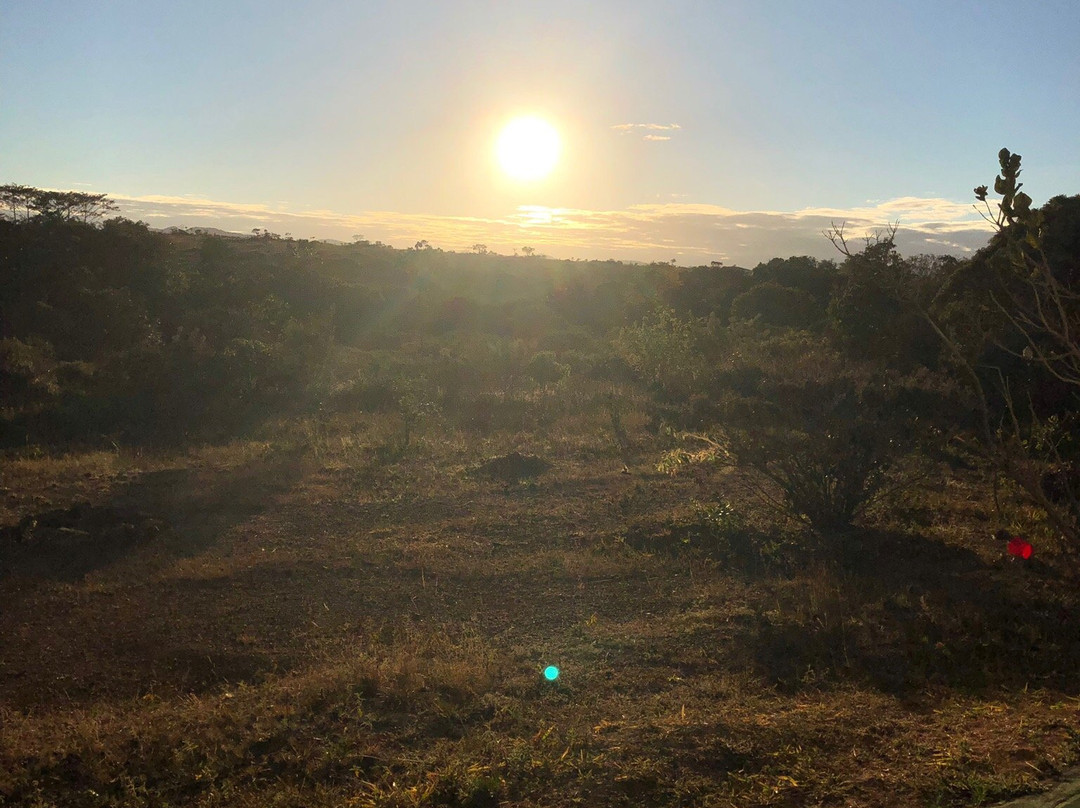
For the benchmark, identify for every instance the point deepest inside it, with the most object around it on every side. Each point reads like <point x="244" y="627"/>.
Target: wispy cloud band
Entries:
<point x="691" y="233"/>
<point x="661" y="127"/>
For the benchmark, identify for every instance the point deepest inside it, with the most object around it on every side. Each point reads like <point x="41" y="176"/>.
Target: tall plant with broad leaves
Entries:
<point x="1023" y="297"/>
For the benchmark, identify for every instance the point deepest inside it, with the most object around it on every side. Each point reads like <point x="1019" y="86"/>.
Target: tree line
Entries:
<point x="827" y="379"/>
<point x="22" y="202"/>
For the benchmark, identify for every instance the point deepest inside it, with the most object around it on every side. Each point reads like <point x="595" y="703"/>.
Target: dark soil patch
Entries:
<point x="67" y="543"/>
<point x="513" y="467"/>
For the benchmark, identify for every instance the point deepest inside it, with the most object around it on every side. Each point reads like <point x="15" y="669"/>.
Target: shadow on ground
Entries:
<point x="184" y="511"/>
<point x="904" y="612"/>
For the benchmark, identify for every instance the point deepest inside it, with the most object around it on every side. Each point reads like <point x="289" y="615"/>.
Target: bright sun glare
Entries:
<point x="528" y="148"/>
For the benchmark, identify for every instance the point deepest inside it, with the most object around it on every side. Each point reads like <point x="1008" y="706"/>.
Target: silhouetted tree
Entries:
<point x="67" y="205"/>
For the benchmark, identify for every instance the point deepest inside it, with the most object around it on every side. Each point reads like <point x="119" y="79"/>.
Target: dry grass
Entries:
<point x="325" y="624"/>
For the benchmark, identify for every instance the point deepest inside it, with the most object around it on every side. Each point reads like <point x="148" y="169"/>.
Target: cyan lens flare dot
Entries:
<point x="551" y="673"/>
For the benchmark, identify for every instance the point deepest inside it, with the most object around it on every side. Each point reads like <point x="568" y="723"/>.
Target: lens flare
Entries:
<point x="1020" y="548"/>
<point x="551" y="673"/>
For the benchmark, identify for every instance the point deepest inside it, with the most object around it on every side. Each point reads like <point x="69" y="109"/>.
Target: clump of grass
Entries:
<point x="317" y="727"/>
<point x="720" y="517"/>
<point x="716" y="530"/>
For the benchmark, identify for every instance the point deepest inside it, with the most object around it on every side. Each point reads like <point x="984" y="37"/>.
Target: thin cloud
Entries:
<point x="649" y="128"/>
<point x="696" y="232"/>
<point x="921" y="208"/>
<point x="626" y="127"/>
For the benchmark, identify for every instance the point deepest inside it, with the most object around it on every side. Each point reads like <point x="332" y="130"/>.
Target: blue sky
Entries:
<point x="332" y="118"/>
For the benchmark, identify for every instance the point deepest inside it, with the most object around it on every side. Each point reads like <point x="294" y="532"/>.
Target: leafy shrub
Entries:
<point x="799" y="272"/>
<point x="826" y="446"/>
<point x="722" y="532"/>
<point x="364" y="395"/>
<point x="663" y="350"/>
<point x="776" y="305"/>
<point x="545" y="368"/>
<point x="27" y="371"/>
<point x="822" y="440"/>
<point x="567" y="339"/>
<point x="610" y="368"/>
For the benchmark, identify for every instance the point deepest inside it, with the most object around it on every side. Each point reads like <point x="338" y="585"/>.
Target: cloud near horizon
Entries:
<point x="689" y="232"/>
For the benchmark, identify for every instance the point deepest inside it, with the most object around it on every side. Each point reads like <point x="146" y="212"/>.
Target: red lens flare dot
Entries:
<point x="1020" y="548"/>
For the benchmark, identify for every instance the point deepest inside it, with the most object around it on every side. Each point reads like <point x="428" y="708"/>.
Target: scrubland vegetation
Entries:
<point x="298" y="524"/>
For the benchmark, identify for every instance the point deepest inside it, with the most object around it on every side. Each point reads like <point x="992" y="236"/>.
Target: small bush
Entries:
<point x="664" y="351"/>
<point x="545" y="368"/>
<point x="27" y="372"/>
<point x="722" y="532"/>
<point x="721" y="517"/>
<point x="612" y="369"/>
<point x="820" y="447"/>
<point x="826" y="447"/>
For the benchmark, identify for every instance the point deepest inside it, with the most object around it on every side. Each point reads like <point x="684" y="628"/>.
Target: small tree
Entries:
<point x="1045" y="309"/>
<point x="874" y="311"/>
<point x="18" y="199"/>
<point x="1010" y="319"/>
<point x="1041" y="303"/>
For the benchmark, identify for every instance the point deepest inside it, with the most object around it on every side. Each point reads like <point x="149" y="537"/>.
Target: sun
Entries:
<point x="528" y="148"/>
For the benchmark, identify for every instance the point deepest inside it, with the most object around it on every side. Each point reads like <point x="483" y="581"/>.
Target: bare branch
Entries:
<point x="835" y="234"/>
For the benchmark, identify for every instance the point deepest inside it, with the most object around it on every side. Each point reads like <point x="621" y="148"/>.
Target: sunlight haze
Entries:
<point x="528" y="148"/>
<point x="489" y="404"/>
<point x="690" y="130"/>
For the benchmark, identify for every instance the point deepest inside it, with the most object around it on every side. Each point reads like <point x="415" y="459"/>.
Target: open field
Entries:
<point x="311" y="619"/>
<point x="506" y="405"/>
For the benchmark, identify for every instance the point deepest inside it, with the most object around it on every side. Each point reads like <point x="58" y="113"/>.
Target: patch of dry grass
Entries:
<point x="322" y="625"/>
